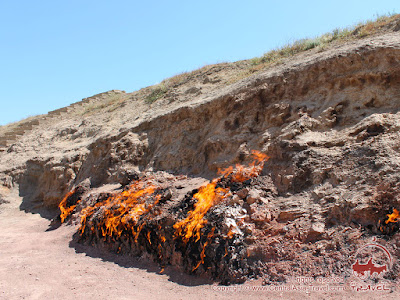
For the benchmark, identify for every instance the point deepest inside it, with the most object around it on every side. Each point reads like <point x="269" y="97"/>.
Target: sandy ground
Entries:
<point x="38" y="263"/>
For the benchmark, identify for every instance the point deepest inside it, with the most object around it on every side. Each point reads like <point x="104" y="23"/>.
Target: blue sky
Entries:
<point x="54" y="53"/>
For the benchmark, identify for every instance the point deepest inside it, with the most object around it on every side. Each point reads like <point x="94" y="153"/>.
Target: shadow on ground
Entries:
<point x="35" y="207"/>
<point x="126" y="261"/>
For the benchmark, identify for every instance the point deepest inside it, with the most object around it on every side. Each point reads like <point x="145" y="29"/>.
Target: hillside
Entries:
<point x="324" y="178"/>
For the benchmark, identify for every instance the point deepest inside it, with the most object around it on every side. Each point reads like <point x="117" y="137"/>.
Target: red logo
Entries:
<point x="371" y="268"/>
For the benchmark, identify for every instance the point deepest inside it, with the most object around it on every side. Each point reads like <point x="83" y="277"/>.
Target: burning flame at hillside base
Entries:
<point x="391" y="223"/>
<point x="242" y="173"/>
<point x="210" y="195"/>
<point x="393" y="217"/>
<point x="121" y="211"/>
<point x="131" y="217"/>
<point x="66" y="209"/>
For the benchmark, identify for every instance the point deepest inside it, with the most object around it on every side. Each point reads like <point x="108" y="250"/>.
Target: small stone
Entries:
<point x="290" y="214"/>
<point x="243" y="193"/>
<point x="253" y="196"/>
<point x="261" y="216"/>
<point x="287" y="180"/>
<point x="263" y="200"/>
<point x="318" y="227"/>
<point x="248" y="230"/>
<point x="316" y="230"/>
<point x="354" y="235"/>
<point x="235" y="200"/>
<point x="206" y="80"/>
<point x="126" y="176"/>
<point x="193" y="90"/>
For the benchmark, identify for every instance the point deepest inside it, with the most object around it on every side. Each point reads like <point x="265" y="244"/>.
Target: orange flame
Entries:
<point x="121" y="211"/>
<point x="393" y="217"/>
<point x="66" y="211"/>
<point x="148" y="237"/>
<point x="226" y="252"/>
<point x="209" y="195"/>
<point x="202" y="254"/>
<point x="242" y="173"/>
<point x="230" y="233"/>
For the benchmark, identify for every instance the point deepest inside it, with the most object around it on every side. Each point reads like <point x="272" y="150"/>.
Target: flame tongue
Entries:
<point x="209" y="195"/>
<point x="121" y="211"/>
<point x="206" y="197"/>
<point x="128" y="215"/>
<point x="242" y="173"/>
<point x="64" y="208"/>
<point x="393" y="217"/>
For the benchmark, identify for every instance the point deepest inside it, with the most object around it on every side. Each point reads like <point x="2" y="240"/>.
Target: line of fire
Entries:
<point x="206" y="231"/>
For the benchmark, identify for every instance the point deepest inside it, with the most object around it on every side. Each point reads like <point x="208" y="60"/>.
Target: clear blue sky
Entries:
<point x="53" y="53"/>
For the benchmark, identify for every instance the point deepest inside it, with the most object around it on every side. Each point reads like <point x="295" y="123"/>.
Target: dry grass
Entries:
<point x="361" y="30"/>
<point x="184" y="77"/>
<point x="112" y="103"/>
<point x="159" y="90"/>
<point x="276" y="56"/>
<point x="178" y="79"/>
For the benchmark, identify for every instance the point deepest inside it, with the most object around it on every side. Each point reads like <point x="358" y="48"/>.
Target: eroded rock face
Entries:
<point x="46" y="181"/>
<point x="108" y="156"/>
<point x="332" y="122"/>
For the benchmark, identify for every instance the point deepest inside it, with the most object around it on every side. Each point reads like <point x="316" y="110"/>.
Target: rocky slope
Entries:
<point x="329" y="121"/>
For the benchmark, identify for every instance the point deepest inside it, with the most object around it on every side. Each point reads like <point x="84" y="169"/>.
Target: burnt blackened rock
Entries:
<point x="76" y="195"/>
<point x="126" y="176"/>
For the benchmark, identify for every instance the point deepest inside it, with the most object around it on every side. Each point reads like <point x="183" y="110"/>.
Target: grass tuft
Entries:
<point x="275" y="56"/>
<point x="156" y="93"/>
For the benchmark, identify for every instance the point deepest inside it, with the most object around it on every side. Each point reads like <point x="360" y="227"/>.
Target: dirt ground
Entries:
<point x="38" y="263"/>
